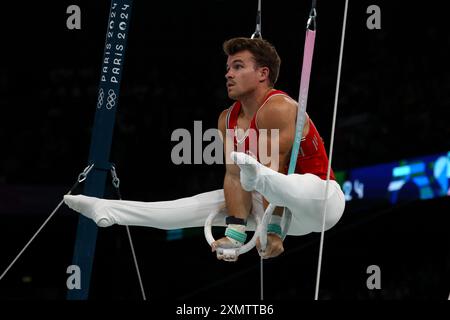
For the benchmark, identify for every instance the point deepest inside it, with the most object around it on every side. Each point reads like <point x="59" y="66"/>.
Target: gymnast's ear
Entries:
<point x="263" y="74"/>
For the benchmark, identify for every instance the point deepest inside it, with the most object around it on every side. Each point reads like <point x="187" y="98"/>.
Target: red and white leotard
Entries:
<point x="312" y="157"/>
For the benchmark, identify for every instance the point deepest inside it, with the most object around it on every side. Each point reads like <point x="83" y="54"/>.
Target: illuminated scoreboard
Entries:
<point x="419" y="178"/>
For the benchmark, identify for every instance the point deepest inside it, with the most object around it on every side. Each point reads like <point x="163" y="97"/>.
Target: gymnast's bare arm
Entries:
<point x="238" y="201"/>
<point x="280" y="113"/>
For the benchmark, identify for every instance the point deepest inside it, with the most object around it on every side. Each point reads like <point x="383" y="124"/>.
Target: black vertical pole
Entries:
<point x="107" y="102"/>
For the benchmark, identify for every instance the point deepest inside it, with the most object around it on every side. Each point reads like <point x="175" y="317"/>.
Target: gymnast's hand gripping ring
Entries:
<point x="262" y="228"/>
<point x="232" y="252"/>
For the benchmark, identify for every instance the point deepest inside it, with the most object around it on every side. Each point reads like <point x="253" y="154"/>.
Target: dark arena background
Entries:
<point x="391" y="152"/>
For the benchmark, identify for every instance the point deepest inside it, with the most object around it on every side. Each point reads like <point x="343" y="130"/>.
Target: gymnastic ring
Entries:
<point x="235" y="252"/>
<point x="265" y="222"/>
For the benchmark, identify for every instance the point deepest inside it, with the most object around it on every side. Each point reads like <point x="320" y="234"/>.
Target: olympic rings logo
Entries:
<point x="100" y="98"/>
<point x="111" y="99"/>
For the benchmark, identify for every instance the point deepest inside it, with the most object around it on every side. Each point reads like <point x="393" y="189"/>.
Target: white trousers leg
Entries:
<point x="181" y="213"/>
<point x="303" y="195"/>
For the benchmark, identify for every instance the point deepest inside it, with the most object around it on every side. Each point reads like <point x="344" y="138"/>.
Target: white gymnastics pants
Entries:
<point x="302" y="194"/>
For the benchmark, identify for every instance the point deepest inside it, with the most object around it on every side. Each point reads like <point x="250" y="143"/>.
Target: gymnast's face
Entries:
<point x="243" y="76"/>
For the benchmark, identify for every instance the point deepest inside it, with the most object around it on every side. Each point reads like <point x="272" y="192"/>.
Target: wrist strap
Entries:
<point x="274" y="228"/>
<point x="234" y="220"/>
<point x="236" y="235"/>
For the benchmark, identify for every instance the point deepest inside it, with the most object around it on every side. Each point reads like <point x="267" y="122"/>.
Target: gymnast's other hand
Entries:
<point x="274" y="246"/>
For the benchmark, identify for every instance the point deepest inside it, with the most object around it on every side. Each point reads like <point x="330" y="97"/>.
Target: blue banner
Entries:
<point x="107" y="102"/>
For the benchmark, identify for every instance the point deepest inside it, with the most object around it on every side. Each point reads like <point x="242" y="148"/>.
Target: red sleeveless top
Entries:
<point x="312" y="157"/>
